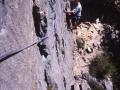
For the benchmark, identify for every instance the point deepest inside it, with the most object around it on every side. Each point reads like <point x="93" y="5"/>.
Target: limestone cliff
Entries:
<point x="46" y="66"/>
<point x="49" y="65"/>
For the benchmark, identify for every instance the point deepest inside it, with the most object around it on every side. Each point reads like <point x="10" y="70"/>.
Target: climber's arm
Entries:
<point x="67" y="11"/>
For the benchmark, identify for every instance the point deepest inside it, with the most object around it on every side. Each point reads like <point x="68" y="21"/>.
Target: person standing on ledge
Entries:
<point x="75" y="14"/>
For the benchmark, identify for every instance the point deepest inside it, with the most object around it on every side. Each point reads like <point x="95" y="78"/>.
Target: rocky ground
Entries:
<point x="92" y="35"/>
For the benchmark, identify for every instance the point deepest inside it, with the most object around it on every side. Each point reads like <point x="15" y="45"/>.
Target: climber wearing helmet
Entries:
<point x="75" y="14"/>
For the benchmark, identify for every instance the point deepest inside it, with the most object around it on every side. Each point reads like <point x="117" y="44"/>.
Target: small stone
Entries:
<point x="89" y="50"/>
<point x="92" y="32"/>
<point x="90" y="37"/>
<point x="113" y="35"/>
<point x="97" y="20"/>
<point x="94" y="44"/>
<point x="117" y="31"/>
<point x="42" y="15"/>
<point x="43" y="23"/>
<point x="99" y="48"/>
<point x="81" y="51"/>
<point x="101" y="40"/>
<point x="98" y="43"/>
<point x="77" y="77"/>
<point x="84" y="59"/>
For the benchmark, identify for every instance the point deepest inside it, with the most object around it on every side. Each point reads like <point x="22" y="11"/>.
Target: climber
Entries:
<point x="75" y="14"/>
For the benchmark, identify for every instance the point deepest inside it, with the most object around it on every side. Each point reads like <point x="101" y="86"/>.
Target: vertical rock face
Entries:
<point x="54" y="67"/>
<point x="17" y="30"/>
<point x="46" y="66"/>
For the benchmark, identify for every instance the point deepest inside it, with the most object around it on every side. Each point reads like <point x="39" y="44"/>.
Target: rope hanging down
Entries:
<point x="7" y="55"/>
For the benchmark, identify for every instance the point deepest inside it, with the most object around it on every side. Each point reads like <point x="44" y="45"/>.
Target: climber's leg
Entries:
<point x="75" y="19"/>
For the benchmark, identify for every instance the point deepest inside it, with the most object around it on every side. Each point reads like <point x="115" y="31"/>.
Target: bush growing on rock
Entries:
<point x="95" y="85"/>
<point x="80" y="43"/>
<point x="101" y="66"/>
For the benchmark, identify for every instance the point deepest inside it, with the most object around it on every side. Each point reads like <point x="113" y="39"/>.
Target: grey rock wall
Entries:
<point x="46" y="66"/>
<point x="17" y="30"/>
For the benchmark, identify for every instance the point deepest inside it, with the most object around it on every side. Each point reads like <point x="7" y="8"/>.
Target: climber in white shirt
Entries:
<point x="75" y="13"/>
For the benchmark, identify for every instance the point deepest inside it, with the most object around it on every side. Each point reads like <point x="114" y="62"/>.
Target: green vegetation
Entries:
<point x="116" y="81"/>
<point x="95" y="86"/>
<point x="116" y="75"/>
<point x="80" y="43"/>
<point x="101" y="66"/>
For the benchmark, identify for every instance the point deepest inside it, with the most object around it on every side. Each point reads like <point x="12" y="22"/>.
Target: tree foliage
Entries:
<point x="101" y="66"/>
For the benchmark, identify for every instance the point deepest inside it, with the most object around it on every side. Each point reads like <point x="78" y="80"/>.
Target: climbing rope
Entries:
<point x="11" y="53"/>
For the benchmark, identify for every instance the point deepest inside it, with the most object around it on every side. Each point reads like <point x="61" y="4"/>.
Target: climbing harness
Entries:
<point x="9" y="54"/>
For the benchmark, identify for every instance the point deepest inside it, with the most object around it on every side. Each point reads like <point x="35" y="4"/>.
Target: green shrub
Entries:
<point x="101" y="66"/>
<point x="95" y="86"/>
<point x="116" y="81"/>
<point x="80" y="43"/>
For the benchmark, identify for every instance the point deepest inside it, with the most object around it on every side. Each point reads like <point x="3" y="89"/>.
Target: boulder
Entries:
<point x="76" y="86"/>
<point x="85" y="86"/>
<point x="108" y="85"/>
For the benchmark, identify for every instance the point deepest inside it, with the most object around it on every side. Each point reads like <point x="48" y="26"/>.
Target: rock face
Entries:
<point x="46" y="66"/>
<point x="109" y="85"/>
